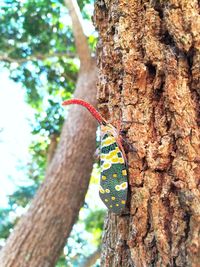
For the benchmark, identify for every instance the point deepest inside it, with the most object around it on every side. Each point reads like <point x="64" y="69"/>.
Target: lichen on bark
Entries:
<point x="148" y="57"/>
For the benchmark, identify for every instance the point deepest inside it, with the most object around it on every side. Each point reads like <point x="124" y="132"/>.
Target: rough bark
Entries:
<point x="148" y="55"/>
<point x="41" y="233"/>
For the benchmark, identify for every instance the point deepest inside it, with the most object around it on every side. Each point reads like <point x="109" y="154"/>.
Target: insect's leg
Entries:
<point x="118" y="140"/>
<point x="121" y="140"/>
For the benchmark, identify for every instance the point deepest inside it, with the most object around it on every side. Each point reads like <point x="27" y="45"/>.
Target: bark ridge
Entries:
<point x="148" y="55"/>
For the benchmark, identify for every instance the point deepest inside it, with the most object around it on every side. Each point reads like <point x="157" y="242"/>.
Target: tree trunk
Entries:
<point x="41" y="233"/>
<point x="52" y="147"/>
<point x="149" y="79"/>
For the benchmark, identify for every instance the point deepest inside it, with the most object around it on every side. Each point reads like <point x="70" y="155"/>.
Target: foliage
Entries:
<point x="94" y="224"/>
<point x="37" y="46"/>
<point x="85" y="237"/>
<point x="6" y="223"/>
<point x="22" y="196"/>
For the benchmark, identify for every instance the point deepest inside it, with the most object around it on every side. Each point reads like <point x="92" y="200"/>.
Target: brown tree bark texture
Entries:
<point x="52" y="147"/>
<point x="149" y="58"/>
<point x="40" y="235"/>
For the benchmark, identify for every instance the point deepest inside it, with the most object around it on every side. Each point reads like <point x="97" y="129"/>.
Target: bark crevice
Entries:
<point x="156" y="64"/>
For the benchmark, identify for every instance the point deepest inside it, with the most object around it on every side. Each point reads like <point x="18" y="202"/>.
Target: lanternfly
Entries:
<point x="113" y="182"/>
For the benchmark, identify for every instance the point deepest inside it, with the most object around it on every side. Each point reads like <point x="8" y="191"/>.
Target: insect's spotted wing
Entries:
<point x="113" y="183"/>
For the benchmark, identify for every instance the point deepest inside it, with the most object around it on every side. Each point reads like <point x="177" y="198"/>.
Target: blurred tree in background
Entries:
<point x="37" y="47"/>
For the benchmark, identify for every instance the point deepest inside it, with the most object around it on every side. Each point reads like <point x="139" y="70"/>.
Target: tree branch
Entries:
<point x="40" y="235"/>
<point x="80" y="38"/>
<point x="9" y="59"/>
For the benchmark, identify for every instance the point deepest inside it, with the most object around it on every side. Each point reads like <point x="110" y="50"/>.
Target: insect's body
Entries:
<point x="113" y="183"/>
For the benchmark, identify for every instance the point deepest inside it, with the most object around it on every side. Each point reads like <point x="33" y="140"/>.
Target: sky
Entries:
<point x="15" y="135"/>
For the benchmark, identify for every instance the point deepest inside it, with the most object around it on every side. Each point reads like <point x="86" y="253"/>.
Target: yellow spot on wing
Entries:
<point x="106" y="200"/>
<point x="106" y="165"/>
<point x="103" y="177"/>
<point x="123" y="201"/>
<point x="124" y="185"/>
<point x="121" y="186"/>
<point x="102" y="191"/>
<point x="108" y="141"/>
<point x="114" y="175"/>
<point x="114" y="152"/>
<point x="117" y="149"/>
<point x="113" y="198"/>
<point x="110" y="156"/>
<point x="121" y="160"/>
<point x="115" y="160"/>
<point x="107" y="190"/>
<point x="124" y="172"/>
<point x="117" y="187"/>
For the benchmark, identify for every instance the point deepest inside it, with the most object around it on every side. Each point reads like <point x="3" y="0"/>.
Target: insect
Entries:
<point x="113" y="187"/>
